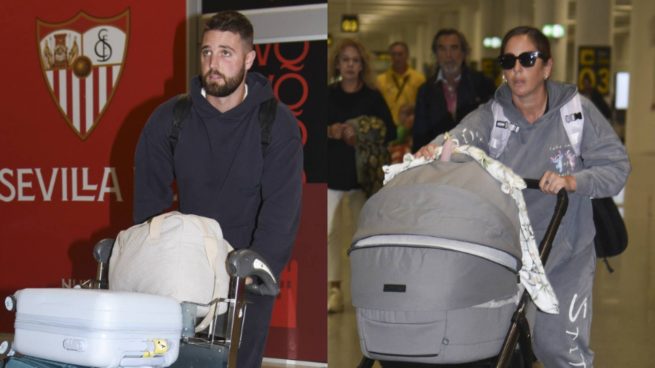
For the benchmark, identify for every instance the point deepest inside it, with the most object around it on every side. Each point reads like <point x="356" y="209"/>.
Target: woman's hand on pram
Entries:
<point x="552" y="182"/>
<point x="428" y="151"/>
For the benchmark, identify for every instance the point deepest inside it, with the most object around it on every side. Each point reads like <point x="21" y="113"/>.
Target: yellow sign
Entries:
<point x="594" y="66"/>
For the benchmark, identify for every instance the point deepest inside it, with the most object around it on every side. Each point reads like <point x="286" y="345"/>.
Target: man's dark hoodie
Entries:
<point x="222" y="173"/>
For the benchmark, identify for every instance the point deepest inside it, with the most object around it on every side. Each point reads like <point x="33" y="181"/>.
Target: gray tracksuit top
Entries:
<point x="601" y="169"/>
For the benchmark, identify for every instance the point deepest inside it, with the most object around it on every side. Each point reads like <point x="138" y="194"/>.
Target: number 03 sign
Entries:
<point x="594" y="67"/>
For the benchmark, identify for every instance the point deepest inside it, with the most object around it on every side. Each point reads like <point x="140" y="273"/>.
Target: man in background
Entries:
<point x="453" y="92"/>
<point x="400" y="83"/>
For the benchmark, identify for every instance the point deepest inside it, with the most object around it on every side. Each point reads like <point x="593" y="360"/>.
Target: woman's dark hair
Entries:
<point x="539" y="39"/>
<point x="231" y="21"/>
<point x="451" y="31"/>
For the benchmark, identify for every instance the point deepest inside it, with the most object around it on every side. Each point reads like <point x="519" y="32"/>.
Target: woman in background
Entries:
<point x="351" y="98"/>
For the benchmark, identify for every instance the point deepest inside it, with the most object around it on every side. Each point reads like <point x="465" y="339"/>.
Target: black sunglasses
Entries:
<point x="527" y="59"/>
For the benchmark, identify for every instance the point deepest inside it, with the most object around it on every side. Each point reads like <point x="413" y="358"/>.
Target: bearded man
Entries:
<point x="226" y="163"/>
<point x="453" y="92"/>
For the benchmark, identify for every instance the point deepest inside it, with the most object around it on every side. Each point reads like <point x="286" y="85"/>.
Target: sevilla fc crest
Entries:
<point x="82" y="59"/>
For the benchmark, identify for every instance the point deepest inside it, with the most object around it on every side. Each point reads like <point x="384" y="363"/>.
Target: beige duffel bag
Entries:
<point x="176" y="255"/>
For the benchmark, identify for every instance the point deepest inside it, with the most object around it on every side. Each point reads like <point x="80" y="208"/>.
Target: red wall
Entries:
<point x="47" y="239"/>
<point x="61" y="192"/>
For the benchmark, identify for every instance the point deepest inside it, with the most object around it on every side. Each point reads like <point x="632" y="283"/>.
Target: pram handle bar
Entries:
<point x="545" y="246"/>
<point x="532" y="183"/>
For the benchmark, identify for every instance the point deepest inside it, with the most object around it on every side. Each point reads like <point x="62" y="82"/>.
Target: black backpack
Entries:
<point x="182" y="109"/>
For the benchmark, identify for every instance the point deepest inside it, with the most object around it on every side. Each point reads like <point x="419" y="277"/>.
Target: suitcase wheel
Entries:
<point x="10" y="303"/>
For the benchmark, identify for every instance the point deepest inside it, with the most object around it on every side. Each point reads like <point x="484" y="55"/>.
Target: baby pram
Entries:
<point x="216" y="347"/>
<point x="434" y="267"/>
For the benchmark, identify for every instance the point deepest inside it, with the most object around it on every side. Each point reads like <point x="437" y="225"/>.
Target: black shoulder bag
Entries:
<point x="611" y="234"/>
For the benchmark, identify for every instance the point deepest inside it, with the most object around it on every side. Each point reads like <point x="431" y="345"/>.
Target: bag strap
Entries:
<point x="182" y="109"/>
<point x="267" y="111"/>
<point x="211" y="245"/>
<point x="211" y="250"/>
<point x="572" y="120"/>
<point x="154" y="229"/>
<point x="501" y="131"/>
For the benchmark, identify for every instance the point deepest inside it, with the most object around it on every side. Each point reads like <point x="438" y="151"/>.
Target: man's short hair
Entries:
<point x="400" y="43"/>
<point x="451" y="31"/>
<point x="231" y="21"/>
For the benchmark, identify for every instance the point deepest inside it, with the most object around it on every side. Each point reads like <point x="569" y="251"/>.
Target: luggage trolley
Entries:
<point x="216" y="347"/>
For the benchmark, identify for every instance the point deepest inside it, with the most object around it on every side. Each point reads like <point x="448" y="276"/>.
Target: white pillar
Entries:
<point x="593" y="27"/>
<point x="640" y="125"/>
<point x="477" y="35"/>
<point x="421" y="48"/>
<point x="554" y="12"/>
<point x="491" y="24"/>
<point x="517" y="13"/>
<point x="593" y="22"/>
<point x="640" y="130"/>
<point x="466" y="26"/>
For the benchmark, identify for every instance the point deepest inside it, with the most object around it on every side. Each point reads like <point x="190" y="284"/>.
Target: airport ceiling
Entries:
<point x="377" y="16"/>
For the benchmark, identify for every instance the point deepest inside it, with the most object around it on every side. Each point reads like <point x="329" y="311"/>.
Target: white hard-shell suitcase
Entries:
<point x="97" y="328"/>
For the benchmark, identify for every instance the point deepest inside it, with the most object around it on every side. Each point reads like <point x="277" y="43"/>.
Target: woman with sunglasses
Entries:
<point x="528" y="127"/>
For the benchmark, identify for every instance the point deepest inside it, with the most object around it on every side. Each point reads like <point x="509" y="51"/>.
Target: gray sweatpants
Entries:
<point x="562" y="340"/>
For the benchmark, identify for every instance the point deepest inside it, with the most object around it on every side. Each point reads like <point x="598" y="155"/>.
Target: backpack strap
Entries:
<point x="500" y="131"/>
<point x="267" y="111"/>
<point x="572" y="120"/>
<point x="181" y="111"/>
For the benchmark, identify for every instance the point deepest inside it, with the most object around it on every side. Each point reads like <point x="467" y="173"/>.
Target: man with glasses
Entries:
<point x="453" y="92"/>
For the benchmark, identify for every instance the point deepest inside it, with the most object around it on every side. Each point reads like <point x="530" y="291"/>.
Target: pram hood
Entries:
<point x="457" y="201"/>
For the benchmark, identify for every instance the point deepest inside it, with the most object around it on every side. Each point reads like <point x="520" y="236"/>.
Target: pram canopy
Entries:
<point x="455" y="201"/>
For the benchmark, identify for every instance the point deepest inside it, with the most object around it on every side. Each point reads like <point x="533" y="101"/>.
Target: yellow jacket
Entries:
<point x="399" y="90"/>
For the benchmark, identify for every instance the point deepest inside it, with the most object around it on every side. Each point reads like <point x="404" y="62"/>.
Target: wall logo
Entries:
<point x="81" y="60"/>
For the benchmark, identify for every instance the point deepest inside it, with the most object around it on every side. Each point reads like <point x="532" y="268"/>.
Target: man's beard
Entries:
<point x="451" y="69"/>
<point x="222" y="90"/>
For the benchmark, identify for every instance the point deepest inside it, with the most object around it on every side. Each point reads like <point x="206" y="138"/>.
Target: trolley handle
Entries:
<point x="560" y="210"/>
<point x="247" y="263"/>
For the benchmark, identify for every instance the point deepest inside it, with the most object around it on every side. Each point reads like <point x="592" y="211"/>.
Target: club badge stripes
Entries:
<point x="82" y="99"/>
